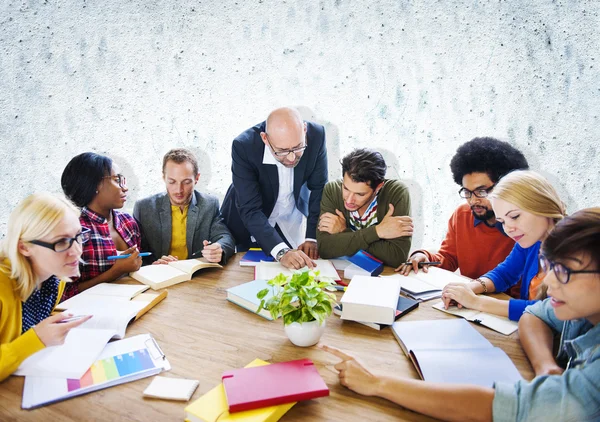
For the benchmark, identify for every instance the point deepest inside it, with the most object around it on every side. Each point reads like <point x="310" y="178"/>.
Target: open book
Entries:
<point x="428" y="285"/>
<point x="269" y="270"/>
<point x="161" y="276"/>
<point x="84" y="343"/>
<point x="497" y="323"/>
<point x="117" y="293"/>
<point x="452" y="351"/>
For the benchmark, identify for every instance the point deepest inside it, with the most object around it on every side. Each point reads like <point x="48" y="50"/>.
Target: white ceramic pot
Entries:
<point x="304" y="334"/>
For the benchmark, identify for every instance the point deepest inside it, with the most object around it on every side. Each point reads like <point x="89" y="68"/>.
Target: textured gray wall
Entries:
<point x="414" y="79"/>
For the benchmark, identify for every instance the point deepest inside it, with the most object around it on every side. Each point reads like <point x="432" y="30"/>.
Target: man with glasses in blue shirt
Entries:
<point x="475" y="243"/>
<point x="279" y="170"/>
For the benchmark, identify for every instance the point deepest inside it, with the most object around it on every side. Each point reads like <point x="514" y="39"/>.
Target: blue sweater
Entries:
<point x="520" y="264"/>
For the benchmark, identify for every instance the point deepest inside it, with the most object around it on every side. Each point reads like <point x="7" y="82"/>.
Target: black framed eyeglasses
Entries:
<point x="285" y="152"/>
<point x="562" y="273"/>
<point x="66" y="243"/>
<point x="119" y="178"/>
<point x="479" y="193"/>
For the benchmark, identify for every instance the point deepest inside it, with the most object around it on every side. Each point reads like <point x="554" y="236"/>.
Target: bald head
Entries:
<point x="285" y="128"/>
<point x="285" y="131"/>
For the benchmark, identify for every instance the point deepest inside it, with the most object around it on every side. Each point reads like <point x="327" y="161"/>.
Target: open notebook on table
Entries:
<point x="428" y="285"/>
<point x="84" y="343"/>
<point x="497" y="323"/>
<point x="119" y="362"/>
<point x="165" y="275"/>
<point x="452" y="351"/>
<point x="114" y="292"/>
<point x="269" y="270"/>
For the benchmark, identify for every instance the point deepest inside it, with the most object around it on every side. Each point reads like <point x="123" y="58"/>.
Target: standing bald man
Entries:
<point x="279" y="170"/>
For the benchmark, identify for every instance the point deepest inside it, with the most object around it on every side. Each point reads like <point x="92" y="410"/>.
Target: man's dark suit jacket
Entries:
<point x="204" y="222"/>
<point x="253" y="194"/>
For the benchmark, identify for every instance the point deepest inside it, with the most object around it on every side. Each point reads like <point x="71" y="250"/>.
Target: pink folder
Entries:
<point x="271" y="385"/>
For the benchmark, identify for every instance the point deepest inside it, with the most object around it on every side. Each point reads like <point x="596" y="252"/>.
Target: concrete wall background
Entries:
<point x="132" y="79"/>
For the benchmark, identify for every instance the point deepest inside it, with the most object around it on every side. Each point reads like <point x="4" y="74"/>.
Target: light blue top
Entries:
<point x="520" y="264"/>
<point x="572" y="396"/>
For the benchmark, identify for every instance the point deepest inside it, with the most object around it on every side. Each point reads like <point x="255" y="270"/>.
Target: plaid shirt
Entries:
<point x="101" y="246"/>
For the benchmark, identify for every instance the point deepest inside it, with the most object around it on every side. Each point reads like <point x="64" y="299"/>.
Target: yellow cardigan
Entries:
<point x="14" y="346"/>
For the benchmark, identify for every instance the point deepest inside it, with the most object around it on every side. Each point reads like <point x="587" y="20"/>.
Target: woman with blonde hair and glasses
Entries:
<point x="528" y="207"/>
<point x="565" y="388"/>
<point x="42" y="245"/>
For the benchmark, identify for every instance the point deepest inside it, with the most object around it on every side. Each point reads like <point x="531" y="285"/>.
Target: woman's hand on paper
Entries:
<point x="461" y="294"/>
<point x="52" y="332"/>
<point x="352" y="373"/>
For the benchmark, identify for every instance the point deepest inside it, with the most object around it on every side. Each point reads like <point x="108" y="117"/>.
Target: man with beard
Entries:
<point x="475" y="241"/>
<point x="279" y="170"/>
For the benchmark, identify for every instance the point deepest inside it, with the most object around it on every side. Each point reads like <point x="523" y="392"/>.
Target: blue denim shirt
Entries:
<point x="572" y="396"/>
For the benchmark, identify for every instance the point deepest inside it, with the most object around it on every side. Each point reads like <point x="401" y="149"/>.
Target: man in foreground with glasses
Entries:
<point x="364" y="210"/>
<point x="279" y="170"/>
<point x="475" y="242"/>
<point x="182" y="223"/>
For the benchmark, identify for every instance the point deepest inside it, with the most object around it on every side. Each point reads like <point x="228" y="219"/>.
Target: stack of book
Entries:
<point x="371" y="300"/>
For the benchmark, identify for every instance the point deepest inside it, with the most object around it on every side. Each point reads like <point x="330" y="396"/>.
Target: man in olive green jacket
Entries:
<point x="365" y="211"/>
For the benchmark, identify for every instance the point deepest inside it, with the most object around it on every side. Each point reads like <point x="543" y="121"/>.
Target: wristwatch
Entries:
<point x="281" y="253"/>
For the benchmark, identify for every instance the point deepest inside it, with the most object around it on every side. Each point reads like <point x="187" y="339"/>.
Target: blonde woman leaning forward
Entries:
<point x="528" y="207"/>
<point x="43" y="244"/>
<point x="565" y="388"/>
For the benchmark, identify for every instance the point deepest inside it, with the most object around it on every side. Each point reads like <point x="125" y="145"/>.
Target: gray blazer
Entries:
<point x="204" y="222"/>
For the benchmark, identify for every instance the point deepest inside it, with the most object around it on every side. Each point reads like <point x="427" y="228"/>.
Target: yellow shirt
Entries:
<point x="178" y="246"/>
<point x="14" y="346"/>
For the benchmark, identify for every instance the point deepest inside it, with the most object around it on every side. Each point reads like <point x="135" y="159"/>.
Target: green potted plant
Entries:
<point x="302" y="302"/>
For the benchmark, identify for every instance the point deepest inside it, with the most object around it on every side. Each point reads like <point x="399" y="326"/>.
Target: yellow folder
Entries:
<point x="212" y="407"/>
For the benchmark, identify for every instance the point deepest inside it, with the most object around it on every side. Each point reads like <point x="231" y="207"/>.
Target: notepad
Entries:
<point x="497" y="323"/>
<point x="270" y="270"/>
<point x="113" y="295"/>
<point x="165" y="275"/>
<point x="271" y="385"/>
<point x="452" y="351"/>
<point x="213" y="405"/>
<point x="428" y="285"/>
<point x="244" y="295"/>
<point x="121" y="361"/>
<point x="371" y="299"/>
<point x="171" y="388"/>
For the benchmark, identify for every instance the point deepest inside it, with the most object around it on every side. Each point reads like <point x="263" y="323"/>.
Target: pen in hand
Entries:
<point x="127" y="255"/>
<point x="70" y="319"/>
<point x="422" y="264"/>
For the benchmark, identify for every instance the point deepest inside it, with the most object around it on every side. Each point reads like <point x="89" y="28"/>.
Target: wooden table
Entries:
<point x="202" y="335"/>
